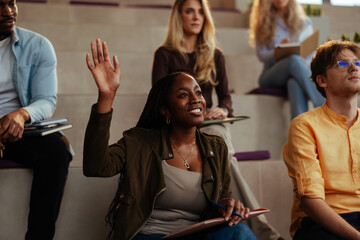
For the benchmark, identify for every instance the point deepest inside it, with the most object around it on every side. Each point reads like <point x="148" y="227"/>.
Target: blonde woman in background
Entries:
<point x="190" y="47"/>
<point x="283" y="21"/>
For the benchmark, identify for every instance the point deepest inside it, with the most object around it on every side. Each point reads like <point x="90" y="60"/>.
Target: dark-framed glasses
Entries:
<point x="345" y="65"/>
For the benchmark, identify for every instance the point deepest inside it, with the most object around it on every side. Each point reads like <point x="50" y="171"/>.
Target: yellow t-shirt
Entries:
<point x="323" y="159"/>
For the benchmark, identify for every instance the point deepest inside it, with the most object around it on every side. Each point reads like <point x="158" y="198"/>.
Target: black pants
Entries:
<point x="311" y="230"/>
<point x="49" y="158"/>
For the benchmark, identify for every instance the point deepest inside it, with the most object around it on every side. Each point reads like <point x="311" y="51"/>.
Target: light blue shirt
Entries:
<point x="266" y="53"/>
<point x="34" y="73"/>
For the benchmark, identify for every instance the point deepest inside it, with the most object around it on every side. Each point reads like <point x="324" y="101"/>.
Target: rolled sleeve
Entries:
<point x="301" y="158"/>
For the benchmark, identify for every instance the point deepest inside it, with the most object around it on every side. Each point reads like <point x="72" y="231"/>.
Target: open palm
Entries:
<point x="107" y="78"/>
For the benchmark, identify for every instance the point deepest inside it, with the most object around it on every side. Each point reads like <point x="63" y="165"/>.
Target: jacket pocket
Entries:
<point x="125" y="198"/>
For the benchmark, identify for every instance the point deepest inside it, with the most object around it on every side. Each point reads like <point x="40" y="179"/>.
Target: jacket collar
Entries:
<point x="15" y="36"/>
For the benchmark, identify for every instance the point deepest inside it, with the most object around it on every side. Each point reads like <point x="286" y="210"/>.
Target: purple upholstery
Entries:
<point x="161" y="6"/>
<point x="280" y="92"/>
<point x="10" y="164"/>
<point x="169" y="6"/>
<point x="99" y="3"/>
<point x="32" y="1"/>
<point x="253" y="155"/>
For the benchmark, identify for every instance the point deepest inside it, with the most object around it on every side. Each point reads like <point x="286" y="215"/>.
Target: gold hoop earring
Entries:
<point x="167" y="120"/>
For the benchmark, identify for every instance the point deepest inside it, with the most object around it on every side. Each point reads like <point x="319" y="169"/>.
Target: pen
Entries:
<point x="222" y="207"/>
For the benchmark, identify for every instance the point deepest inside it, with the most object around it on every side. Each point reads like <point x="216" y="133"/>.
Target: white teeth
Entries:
<point x="195" y="110"/>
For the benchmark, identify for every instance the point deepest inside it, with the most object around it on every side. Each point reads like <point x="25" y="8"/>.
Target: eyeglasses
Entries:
<point x="345" y="65"/>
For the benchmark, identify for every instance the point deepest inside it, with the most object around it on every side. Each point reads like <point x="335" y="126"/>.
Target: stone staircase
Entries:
<point x="133" y="34"/>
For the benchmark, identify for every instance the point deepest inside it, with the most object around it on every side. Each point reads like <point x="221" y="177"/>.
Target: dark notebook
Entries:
<point x="45" y="127"/>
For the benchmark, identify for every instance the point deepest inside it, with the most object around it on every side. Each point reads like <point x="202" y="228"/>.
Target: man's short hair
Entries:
<point x="325" y="57"/>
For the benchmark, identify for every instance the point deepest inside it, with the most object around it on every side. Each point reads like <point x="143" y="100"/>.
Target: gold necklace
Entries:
<point x="186" y="164"/>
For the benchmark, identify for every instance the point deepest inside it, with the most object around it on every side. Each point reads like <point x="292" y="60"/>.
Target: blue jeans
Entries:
<point x="294" y="74"/>
<point x="235" y="232"/>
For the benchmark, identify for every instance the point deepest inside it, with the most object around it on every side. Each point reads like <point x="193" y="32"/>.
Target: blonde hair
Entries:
<point x="263" y="24"/>
<point x="204" y="68"/>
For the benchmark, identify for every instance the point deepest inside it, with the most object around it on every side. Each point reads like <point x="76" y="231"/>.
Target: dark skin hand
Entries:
<point x="12" y="126"/>
<point x="236" y="206"/>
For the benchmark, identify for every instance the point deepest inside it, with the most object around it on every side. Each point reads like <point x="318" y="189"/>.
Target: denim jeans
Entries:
<point x="235" y="232"/>
<point x="294" y="74"/>
<point x="310" y="230"/>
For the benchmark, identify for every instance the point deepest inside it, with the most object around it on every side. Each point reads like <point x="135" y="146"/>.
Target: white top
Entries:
<point x="180" y="205"/>
<point x="9" y="98"/>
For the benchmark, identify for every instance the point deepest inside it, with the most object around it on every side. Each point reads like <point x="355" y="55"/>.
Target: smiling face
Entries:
<point x="8" y="15"/>
<point x="186" y="104"/>
<point x="340" y="82"/>
<point x="192" y="17"/>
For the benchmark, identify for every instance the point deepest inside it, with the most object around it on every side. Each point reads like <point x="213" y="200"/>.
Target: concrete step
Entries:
<point x="83" y="210"/>
<point x="124" y="38"/>
<point x="86" y="200"/>
<point x="273" y="189"/>
<point x="74" y="77"/>
<point x="67" y="13"/>
<point x="266" y="129"/>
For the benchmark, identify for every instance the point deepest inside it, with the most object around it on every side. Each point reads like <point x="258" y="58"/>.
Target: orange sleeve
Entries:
<point x="301" y="157"/>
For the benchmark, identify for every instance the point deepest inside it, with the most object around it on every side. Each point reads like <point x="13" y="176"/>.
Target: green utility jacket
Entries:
<point x="138" y="156"/>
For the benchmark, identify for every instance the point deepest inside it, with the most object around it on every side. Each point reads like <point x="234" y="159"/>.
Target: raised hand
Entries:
<point x="107" y="78"/>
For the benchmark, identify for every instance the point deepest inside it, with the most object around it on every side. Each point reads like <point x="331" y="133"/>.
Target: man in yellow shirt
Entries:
<point x="323" y="150"/>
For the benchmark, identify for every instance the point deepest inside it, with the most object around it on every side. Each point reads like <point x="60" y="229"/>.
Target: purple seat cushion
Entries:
<point x="280" y="92"/>
<point x="253" y="155"/>
<point x="10" y="164"/>
<point x="33" y="1"/>
<point x="98" y="3"/>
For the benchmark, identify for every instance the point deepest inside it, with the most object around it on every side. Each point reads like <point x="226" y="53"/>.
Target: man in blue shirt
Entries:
<point x="28" y="86"/>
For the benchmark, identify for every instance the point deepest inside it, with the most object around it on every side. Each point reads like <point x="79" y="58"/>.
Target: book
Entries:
<point x="46" y="122"/>
<point x="303" y="49"/>
<point x="208" y="224"/>
<point x="45" y="130"/>
<point x="223" y="120"/>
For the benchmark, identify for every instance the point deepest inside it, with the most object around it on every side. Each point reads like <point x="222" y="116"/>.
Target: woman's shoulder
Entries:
<point x="307" y="22"/>
<point x="142" y="134"/>
<point x="218" y="55"/>
<point x="164" y="50"/>
<point x="213" y="139"/>
<point x="218" y="52"/>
